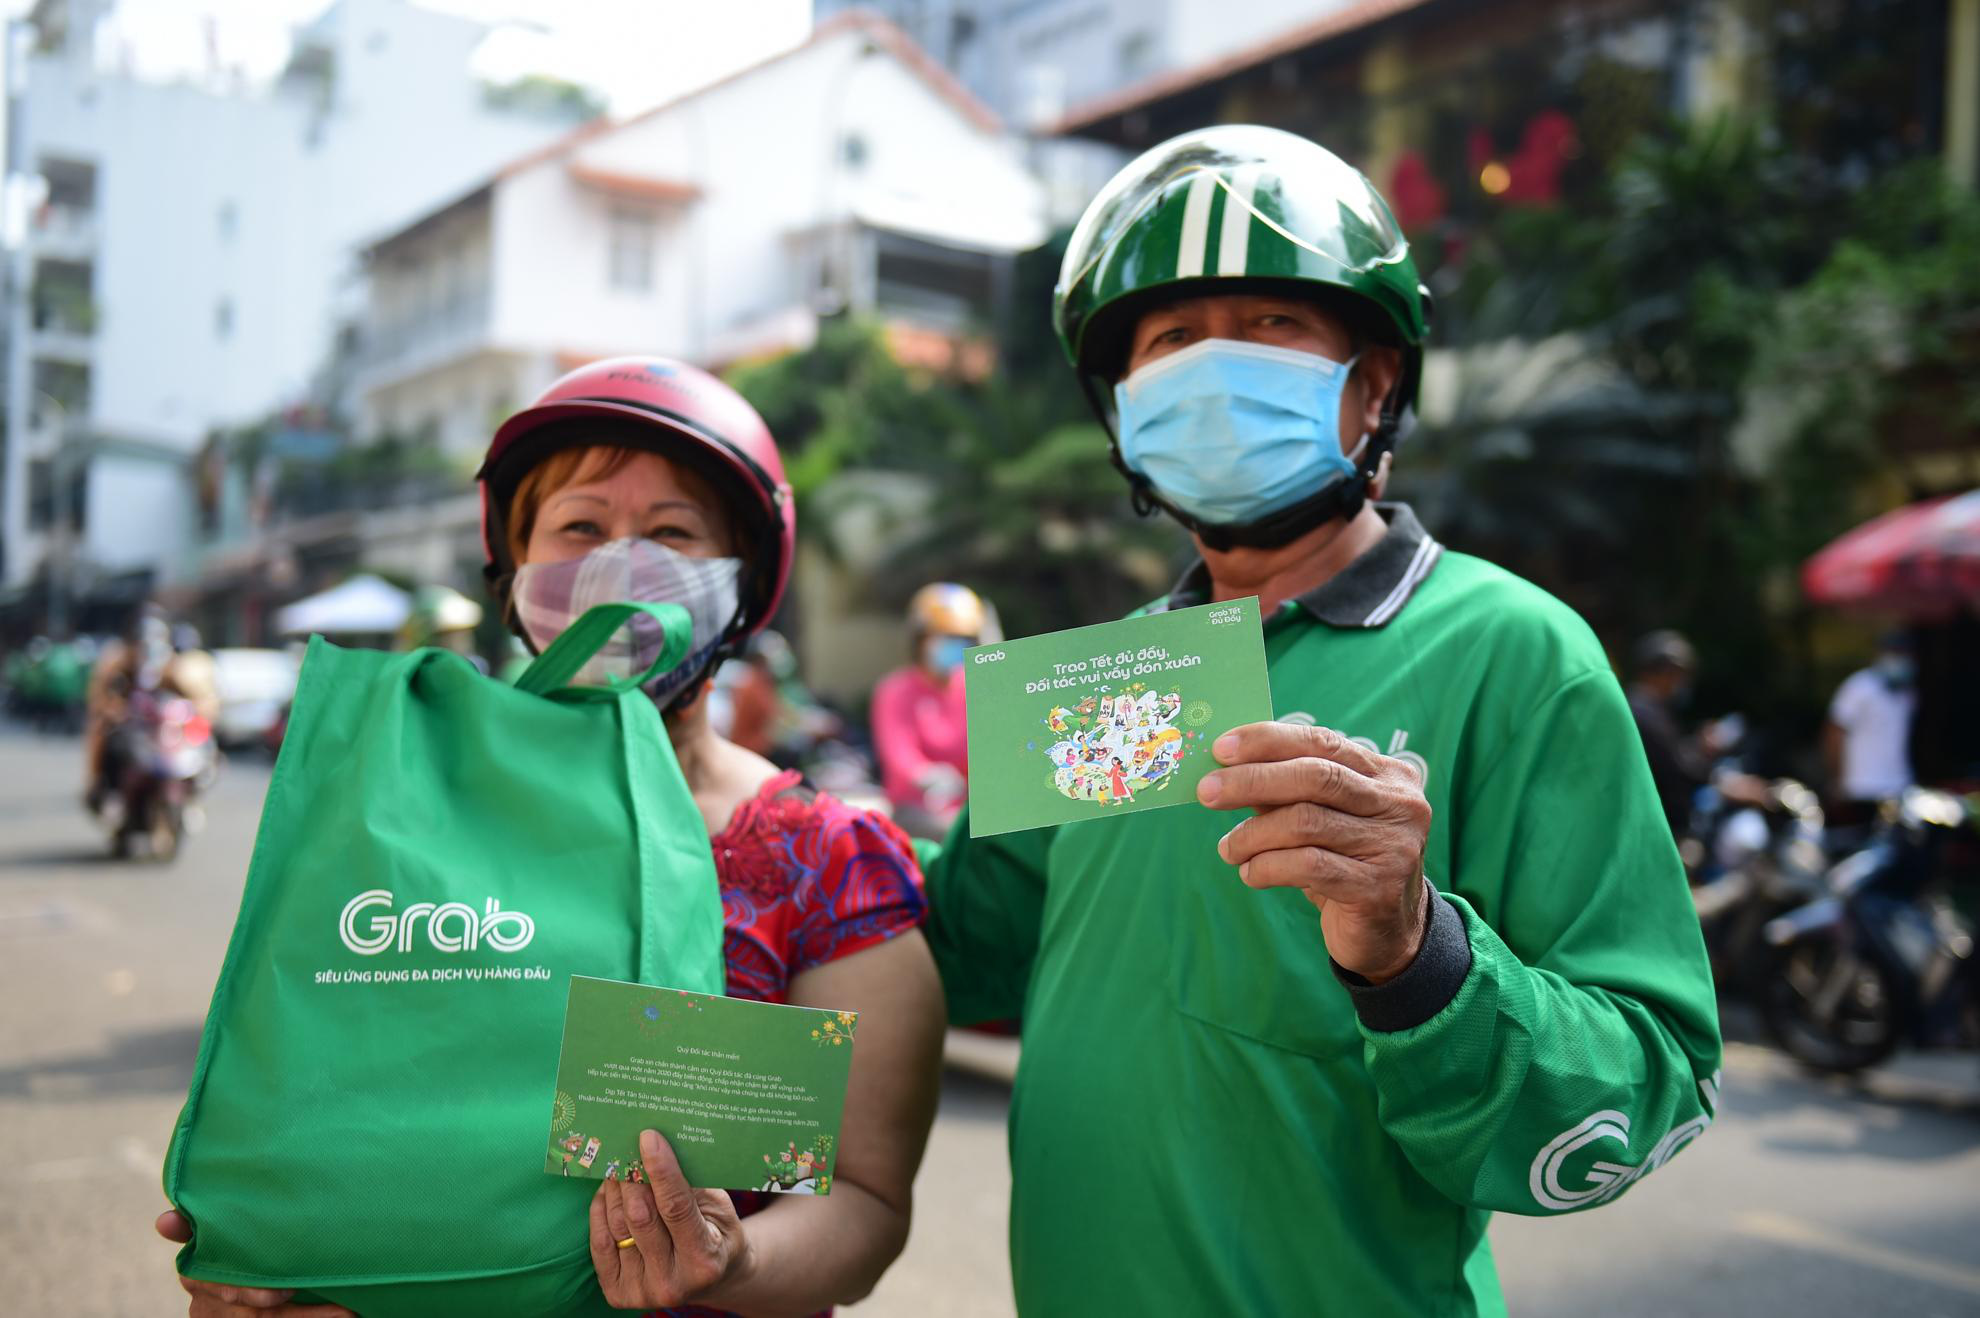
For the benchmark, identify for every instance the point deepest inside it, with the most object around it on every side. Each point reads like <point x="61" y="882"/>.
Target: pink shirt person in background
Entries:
<point x="919" y="719"/>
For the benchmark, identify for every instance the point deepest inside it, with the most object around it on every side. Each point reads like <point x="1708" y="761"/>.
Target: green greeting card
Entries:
<point x="1096" y="721"/>
<point x="748" y="1093"/>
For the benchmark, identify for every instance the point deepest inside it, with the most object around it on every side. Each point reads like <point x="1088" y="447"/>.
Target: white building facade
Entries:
<point x="188" y="257"/>
<point x="850" y="174"/>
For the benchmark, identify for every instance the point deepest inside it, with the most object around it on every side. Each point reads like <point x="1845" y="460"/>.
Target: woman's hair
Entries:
<point x="564" y="467"/>
<point x="590" y="462"/>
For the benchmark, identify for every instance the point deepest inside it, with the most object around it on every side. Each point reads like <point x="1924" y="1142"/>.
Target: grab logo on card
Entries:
<point x="450" y="926"/>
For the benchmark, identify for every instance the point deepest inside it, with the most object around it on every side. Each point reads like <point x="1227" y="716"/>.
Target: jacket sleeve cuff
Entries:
<point x="1426" y="987"/>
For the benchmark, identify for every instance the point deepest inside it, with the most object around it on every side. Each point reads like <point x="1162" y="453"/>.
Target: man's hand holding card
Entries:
<point x="1173" y="708"/>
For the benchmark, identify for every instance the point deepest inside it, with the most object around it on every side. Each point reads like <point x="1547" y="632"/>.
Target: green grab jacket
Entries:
<point x="1210" y="1117"/>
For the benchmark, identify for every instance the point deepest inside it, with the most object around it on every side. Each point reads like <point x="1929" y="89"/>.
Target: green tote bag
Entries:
<point x="438" y="854"/>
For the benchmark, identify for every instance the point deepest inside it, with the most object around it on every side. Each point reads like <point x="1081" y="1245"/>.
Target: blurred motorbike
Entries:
<point x="838" y="764"/>
<point x="1887" y="957"/>
<point x="163" y="756"/>
<point x="759" y="702"/>
<point x="1750" y="863"/>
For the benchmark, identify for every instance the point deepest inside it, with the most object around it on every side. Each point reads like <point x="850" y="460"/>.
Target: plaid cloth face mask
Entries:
<point x="551" y="596"/>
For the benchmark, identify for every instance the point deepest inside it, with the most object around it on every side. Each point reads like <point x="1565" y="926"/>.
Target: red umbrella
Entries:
<point x="1922" y="561"/>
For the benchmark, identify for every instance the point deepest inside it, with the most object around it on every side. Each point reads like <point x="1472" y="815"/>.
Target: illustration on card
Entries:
<point x="1119" y="743"/>
<point x="838" y="1028"/>
<point x="564" y="1151"/>
<point x="800" y="1171"/>
<point x="653" y="1015"/>
<point x="570" y="1147"/>
<point x="575" y="1147"/>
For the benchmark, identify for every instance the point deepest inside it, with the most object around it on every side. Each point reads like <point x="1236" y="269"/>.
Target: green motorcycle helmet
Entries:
<point x="1230" y="209"/>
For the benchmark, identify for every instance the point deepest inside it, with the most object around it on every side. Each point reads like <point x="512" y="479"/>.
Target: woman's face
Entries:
<point x="647" y="498"/>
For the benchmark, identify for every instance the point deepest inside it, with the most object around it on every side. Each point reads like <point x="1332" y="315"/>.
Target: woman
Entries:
<point x="648" y="479"/>
<point x="919" y="721"/>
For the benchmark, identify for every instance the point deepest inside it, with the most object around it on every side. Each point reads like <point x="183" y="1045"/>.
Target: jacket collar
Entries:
<point x="1368" y="592"/>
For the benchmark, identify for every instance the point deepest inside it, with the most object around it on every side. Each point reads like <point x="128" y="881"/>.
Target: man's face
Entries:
<point x="1670" y="683"/>
<point x="1281" y="322"/>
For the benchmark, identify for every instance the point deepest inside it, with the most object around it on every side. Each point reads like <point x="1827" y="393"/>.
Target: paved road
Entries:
<point x="1810" y="1198"/>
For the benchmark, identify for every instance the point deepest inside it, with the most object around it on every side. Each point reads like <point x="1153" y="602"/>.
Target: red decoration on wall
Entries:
<point x="1415" y="194"/>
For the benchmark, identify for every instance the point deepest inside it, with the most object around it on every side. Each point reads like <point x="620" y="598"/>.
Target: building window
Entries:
<point x="41" y="494"/>
<point x="1137" y="54"/>
<point x="631" y="251"/>
<point x="223" y="319"/>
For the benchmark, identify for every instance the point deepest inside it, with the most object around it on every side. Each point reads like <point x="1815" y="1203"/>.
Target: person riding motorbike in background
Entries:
<point x="1663" y="668"/>
<point x="144" y="659"/>
<point x="920" y="730"/>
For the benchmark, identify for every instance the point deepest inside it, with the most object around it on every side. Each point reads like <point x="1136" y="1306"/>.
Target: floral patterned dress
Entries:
<point x="806" y="879"/>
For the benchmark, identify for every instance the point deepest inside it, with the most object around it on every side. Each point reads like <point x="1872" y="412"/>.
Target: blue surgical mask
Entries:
<point x="1231" y="432"/>
<point x="1897" y="670"/>
<point x="945" y="654"/>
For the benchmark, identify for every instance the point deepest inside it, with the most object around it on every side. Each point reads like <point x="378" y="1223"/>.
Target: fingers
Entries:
<point x="248" y="1297"/>
<point x="1305" y="824"/>
<point x="645" y="1224"/>
<point x="616" y="1220"/>
<point x="1263" y="742"/>
<point x="702" y="1252"/>
<point x="217" y="1300"/>
<point x="172" y="1225"/>
<point x="606" y="1256"/>
<point x="718" y="1209"/>
<point x="1323" y="874"/>
<point x="1267" y="784"/>
<point x="673" y="1198"/>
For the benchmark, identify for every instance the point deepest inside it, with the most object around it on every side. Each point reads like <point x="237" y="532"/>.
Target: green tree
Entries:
<point x="1665" y="401"/>
<point x="1027" y="506"/>
<point x="1873" y="356"/>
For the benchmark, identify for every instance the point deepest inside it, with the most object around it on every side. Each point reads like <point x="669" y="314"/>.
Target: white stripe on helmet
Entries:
<point x="1195" y="225"/>
<point x="1235" y="242"/>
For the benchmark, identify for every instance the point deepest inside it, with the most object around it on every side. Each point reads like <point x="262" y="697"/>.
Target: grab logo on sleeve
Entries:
<point x="1602" y="1180"/>
<point x="450" y="926"/>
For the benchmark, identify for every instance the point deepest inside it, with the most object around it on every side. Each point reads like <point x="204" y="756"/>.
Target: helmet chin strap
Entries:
<point x="1344" y="499"/>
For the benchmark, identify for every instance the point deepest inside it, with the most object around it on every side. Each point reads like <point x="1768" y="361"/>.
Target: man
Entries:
<point x="1867" y="739"/>
<point x="146" y="658"/>
<point x="920" y="730"/>
<point x="1663" y="669"/>
<point x="1288" y="1061"/>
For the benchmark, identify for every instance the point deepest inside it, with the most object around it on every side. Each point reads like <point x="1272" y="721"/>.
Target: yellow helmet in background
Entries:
<point x="946" y="609"/>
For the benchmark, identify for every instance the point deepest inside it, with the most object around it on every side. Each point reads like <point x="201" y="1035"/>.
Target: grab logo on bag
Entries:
<point x="450" y="926"/>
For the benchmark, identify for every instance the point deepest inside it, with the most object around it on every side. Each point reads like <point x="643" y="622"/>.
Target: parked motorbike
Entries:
<point x="1748" y="865"/>
<point x="164" y="757"/>
<point x="1887" y="957"/>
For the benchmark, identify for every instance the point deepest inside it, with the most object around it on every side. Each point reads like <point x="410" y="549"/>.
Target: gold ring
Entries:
<point x="627" y="1243"/>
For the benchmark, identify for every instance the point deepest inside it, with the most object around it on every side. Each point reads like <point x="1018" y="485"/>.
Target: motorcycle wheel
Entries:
<point x="166" y="829"/>
<point x="1828" y="1007"/>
